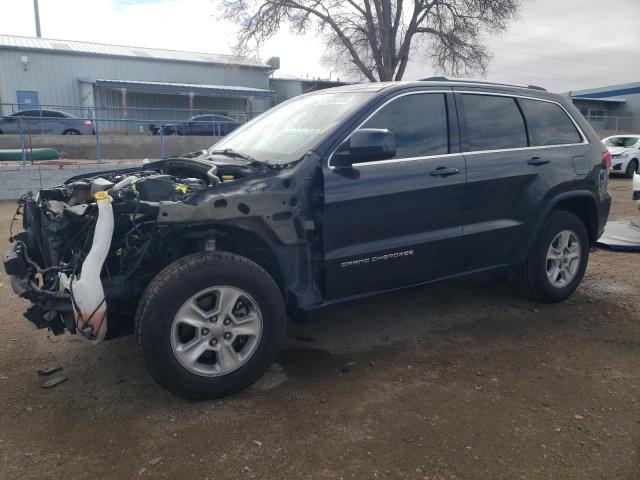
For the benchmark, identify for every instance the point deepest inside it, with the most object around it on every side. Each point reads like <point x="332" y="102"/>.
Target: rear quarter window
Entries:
<point x="548" y="123"/>
<point x="493" y="123"/>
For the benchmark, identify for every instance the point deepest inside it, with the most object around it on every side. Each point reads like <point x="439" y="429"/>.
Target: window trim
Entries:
<point x="394" y="160"/>
<point x="584" y="138"/>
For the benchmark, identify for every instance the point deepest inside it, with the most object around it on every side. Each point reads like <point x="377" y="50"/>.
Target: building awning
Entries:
<point x="184" y="88"/>
<point x="616" y="101"/>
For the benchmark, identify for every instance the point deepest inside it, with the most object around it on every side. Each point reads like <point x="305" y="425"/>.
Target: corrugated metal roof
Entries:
<point x="185" y="87"/>
<point x="89" y="48"/>
<point x="608" y="91"/>
<point x="601" y="100"/>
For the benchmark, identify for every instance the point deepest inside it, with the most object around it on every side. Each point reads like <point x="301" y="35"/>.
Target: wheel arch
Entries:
<point x="583" y="206"/>
<point x="247" y="243"/>
<point x="581" y="203"/>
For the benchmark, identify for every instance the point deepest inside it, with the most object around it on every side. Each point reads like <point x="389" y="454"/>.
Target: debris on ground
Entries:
<point x="54" y="381"/>
<point x="45" y="372"/>
<point x="155" y="461"/>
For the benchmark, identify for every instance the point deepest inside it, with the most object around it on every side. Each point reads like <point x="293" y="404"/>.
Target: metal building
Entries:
<point x="614" y="108"/>
<point x="285" y="88"/>
<point x="123" y="81"/>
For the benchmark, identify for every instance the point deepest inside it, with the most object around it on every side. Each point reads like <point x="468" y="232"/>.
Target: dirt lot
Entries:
<point x="468" y="382"/>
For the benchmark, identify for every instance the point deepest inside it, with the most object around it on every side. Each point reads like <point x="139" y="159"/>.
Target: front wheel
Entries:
<point x="210" y="324"/>
<point x="558" y="259"/>
<point x="71" y="131"/>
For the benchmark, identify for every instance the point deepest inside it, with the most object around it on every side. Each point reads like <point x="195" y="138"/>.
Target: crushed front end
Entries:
<point x="96" y="242"/>
<point x="81" y="244"/>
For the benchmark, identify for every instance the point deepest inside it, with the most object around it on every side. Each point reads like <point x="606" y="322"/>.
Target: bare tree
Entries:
<point x="376" y="37"/>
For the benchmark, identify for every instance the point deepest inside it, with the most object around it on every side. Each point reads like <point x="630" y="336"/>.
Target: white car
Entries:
<point x="636" y="189"/>
<point x="625" y="153"/>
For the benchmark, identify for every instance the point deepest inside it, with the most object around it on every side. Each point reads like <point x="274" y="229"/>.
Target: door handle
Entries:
<point x="537" y="161"/>
<point x="444" y="172"/>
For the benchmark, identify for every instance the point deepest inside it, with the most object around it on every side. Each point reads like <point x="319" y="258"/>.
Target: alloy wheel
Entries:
<point x="563" y="258"/>
<point x="216" y="331"/>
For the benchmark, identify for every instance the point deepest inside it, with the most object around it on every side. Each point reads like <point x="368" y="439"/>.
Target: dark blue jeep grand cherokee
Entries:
<point x="331" y="196"/>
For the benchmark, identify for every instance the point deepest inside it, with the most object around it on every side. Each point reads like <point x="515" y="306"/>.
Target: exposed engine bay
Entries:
<point x="97" y="240"/>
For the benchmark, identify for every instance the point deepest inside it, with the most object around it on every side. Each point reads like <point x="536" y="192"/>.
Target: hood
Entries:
<point x="194" y="163"/>
<point x="618" y="150"/>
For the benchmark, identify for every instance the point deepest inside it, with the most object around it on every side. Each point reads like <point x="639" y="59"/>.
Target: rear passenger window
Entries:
<point x="548" y="124"/>
<point x="418" y="122"/>
<point x="493" y="123"/>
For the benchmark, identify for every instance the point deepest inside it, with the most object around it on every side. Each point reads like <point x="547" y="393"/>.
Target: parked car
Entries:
<point x="625" y="153"/>
<point x="329" y="197"/>
<point x="206" y="125"/>
<point x="51" y="122"/>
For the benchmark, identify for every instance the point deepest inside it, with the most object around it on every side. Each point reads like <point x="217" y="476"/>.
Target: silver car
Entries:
<point x="52" y="122"/>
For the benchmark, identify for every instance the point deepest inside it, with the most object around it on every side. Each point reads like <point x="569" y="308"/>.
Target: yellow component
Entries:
<point x="182" y="188"/>
<point x="226" y="178"/>
<point x="120" y="252"/>
<point x="101" y="195"/>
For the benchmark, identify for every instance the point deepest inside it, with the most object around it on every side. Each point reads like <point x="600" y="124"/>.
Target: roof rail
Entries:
<point x="482" y="82"/>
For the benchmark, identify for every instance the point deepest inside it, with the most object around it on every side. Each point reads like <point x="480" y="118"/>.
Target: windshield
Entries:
<point x="286" y="132"/>
<point x="625" y="142"/>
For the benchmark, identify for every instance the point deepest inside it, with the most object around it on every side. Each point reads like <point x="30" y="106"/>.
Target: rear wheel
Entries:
<point x="631" y="168"/>
<point x="556" y="264"/>
<point x="209" y="325"/>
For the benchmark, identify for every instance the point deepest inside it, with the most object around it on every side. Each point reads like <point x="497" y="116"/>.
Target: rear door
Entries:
<point x="396" y="222"/>
<point x="510" y="171"/>
<point x="55" y="123"/>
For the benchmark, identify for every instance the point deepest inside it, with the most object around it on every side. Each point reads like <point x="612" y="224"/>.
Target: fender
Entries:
<point x="551" y="204"/>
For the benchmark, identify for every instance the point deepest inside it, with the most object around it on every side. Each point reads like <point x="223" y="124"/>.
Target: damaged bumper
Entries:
<point x="50" y="309"/>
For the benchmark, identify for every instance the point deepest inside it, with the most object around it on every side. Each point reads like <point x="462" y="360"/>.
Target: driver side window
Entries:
<point x="418" y="122"/>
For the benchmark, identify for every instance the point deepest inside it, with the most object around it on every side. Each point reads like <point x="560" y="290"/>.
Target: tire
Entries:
<point x="632" y="168"/>
<point x="160" y="322"/>
<point x="534" y="276"/>
<point x="71" y="131"/>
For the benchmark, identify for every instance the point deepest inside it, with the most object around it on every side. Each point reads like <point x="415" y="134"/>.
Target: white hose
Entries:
<point x="90" y="307"/>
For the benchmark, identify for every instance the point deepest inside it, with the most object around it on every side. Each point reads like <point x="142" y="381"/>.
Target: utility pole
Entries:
<point x="37" y="15"/>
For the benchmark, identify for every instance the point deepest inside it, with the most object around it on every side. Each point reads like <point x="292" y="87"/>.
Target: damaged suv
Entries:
<point x="329" y="197"/>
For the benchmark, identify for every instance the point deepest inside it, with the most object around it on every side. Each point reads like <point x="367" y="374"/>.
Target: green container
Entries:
<point x="38" y="154"/>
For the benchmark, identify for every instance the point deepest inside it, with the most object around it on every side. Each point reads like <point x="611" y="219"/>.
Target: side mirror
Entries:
<point x="365" y="145"/>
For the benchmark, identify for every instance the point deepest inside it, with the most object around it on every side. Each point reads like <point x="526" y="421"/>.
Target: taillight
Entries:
<point x="606" y="159"/>
<point x="88" y="122"/>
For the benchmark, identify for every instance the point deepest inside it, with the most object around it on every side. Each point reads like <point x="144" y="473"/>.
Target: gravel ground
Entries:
<point x="464" y="382"/>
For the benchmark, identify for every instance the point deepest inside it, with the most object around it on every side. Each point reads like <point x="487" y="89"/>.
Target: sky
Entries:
<point x="561" y="45"/>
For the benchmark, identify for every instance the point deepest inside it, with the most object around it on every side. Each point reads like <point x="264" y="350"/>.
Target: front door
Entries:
<point x="397" y="222"/>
